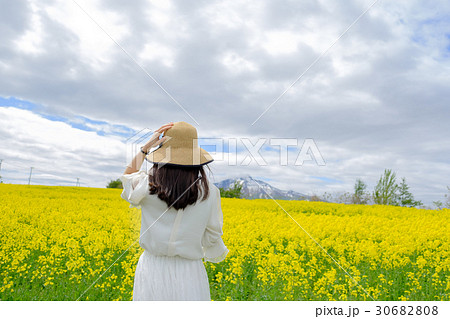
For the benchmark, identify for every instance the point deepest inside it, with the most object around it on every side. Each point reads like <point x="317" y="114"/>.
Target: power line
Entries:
<point x="17" y="172"/>
<point x="15" y="165"/>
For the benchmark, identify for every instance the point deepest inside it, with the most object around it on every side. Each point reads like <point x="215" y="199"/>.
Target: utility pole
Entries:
<point x="78" y="181"/>
<point x="29" y="178"/>
<point x="1" y="171"/>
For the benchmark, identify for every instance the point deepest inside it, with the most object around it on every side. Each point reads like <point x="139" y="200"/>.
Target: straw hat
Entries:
<point x="180" y="148"/>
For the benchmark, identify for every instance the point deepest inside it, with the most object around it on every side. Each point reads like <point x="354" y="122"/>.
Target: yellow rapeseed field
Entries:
<point x="69" y="243"/>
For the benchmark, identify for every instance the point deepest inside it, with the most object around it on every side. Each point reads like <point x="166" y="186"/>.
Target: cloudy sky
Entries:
<point x="80" y="78"/>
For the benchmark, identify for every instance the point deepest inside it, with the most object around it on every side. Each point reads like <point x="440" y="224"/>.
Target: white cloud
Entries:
<point x="31" y="41"/>
<point x="57" y="148"/>
<point x="94" y="46"/>
<point x="233" y="15"/>
<point x="158" y="52"/>
<point x="237" y="64"/>
<point x="378" y="98"/>
<point x="281" y="42"/>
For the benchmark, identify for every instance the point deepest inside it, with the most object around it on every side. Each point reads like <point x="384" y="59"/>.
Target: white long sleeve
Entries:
<point x="213" y="246"/>
<point x="135" y="187"/>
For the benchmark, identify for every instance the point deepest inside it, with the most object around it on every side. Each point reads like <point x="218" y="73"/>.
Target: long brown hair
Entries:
<point x="178" y="186"/>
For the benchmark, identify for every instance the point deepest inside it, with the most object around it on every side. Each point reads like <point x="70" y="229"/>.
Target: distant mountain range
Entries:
<point x="254" y="188"/>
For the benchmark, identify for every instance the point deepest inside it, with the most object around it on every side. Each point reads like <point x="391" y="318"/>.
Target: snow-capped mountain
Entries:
<point x="254" y="188"/>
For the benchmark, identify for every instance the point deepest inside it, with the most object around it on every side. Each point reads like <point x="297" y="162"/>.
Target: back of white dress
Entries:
<point x="174" y="242"/>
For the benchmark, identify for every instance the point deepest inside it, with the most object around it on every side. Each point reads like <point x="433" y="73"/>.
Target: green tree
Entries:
<point x="438" y="204"/>
<point x="345" y="198"/>
<point x="327" y="197"/>
<point x="233" y="192"/>
<point x="360" y="196"/>
<point x="385" y="192"/>
<point x="115" y="184"/>
<point x="405" y="197"/>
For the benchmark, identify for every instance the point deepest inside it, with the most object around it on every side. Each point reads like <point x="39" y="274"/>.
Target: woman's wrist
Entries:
<point x="147" y="146"/>
<point x="151" y="143"/>
<point x="144" y="150"/>
<point x="135" y="164"/>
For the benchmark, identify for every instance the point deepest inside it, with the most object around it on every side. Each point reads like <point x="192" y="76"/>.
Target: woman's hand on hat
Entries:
<point x="154" y="139"/>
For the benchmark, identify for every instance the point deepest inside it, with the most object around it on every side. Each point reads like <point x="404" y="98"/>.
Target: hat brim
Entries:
<point x="185" y="157"/>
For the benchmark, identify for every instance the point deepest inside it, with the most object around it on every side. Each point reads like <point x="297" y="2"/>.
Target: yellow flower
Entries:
<point x="70" y="236"/>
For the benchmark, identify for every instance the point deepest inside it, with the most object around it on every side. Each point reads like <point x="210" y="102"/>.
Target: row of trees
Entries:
<point x="387" y="191"/>
<point x="446" y="204"/>
<point x="232" y="192"/>
<point x="114" y="184"/>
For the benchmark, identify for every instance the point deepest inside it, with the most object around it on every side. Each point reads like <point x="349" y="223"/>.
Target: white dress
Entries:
<point x="175" y="243"/>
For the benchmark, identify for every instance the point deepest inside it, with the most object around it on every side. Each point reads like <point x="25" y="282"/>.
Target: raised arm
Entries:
<point x="136" y="163"/>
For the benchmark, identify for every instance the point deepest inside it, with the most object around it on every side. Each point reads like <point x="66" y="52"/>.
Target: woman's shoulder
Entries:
<point x="214" y="191"/>
<point x="213" y="187"/>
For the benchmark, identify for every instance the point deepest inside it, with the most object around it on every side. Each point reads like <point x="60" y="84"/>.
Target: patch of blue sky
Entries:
<point x="327" y="180"/>
<point x="88" y="124"/>
<point x="211" y="148"/>
<point x="270" y="148"/>
<point x="448" y="45"/>
<point x="221" y="145"/>
<point x="292" y="149"/>
<point x="435" y="20"/>
<point x="20" y="104"/>
<point x="80" y="126"/>
<point x="418" y="39"/>
<point x="79" y="122"/>
<point x="434" y="26"/>
<point x="54" y="118"/>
